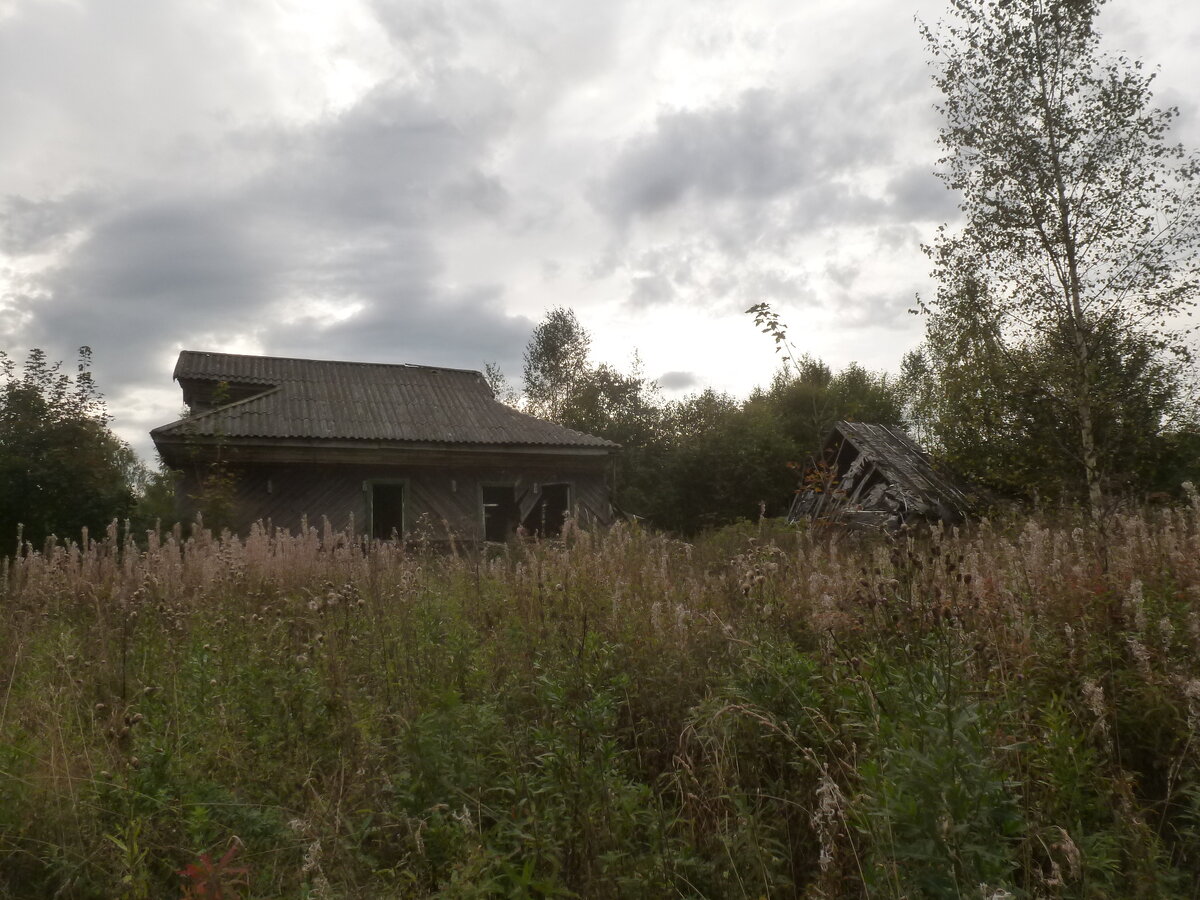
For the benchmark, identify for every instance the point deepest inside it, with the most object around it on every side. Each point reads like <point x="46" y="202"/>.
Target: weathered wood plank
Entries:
<point x="440" y="502"/>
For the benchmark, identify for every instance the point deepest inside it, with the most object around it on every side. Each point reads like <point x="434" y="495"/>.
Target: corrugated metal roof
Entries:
<point x="329" y="400"/>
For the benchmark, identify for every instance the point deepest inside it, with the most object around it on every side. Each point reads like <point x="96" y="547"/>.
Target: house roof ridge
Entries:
<point x="331" y="362"/>
<point x="345" y="400"/>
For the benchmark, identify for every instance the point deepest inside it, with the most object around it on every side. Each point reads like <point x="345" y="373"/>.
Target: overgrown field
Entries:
<point x="1009" y="712"/>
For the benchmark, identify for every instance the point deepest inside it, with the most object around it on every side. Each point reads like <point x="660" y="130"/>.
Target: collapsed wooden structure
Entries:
<point x="383" y="450"/>
<point x="877" y="476"/>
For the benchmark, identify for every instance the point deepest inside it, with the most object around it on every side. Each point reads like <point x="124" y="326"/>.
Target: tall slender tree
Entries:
<point x="1080" y="219"/>
<point x="556" y="360"/>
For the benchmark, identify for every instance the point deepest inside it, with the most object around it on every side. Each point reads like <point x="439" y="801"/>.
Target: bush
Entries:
<point x="61" y="469"/>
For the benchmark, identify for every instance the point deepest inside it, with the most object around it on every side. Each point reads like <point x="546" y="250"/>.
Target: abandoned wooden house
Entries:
<point x="876" y="475"/>
<point x="382" y="449"/>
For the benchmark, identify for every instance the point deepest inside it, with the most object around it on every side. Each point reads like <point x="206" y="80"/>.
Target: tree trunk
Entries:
<point x="1073" y="290"/>
<point x="1087" y="434"/>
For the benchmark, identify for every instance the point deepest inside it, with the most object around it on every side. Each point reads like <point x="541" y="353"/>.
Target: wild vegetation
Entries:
<point x="1006" y="711"/>
<point x="1009" y="710"/>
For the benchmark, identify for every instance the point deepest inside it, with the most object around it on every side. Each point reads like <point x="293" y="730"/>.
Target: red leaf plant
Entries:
<point x="215" y="880"/>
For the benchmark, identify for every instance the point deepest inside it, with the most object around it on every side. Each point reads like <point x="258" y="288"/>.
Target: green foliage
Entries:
<point x="204" y="488"/>
<point x="562" y="384"/>
<point x="723" y="461"/>
<point x="763" y="712"/>
<point x="1079" y="246"/>
<point x="1005" y="415"/>
<point x="624" y="408"/>
<point x="705" y="460"/>
<point x="157" y="505"/>
<point x="61" y="469"/>
<point x="556" y="361"/>
<point x="936" y="809"/>
<point x="501" y="389"/>
<point x="811" y="402"/>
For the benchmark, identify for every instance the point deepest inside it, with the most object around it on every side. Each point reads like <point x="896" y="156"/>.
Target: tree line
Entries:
<point x="710" y="459"/>
<point x="1056" y="366"/>
<point x="61" y="467"/>
<point x="707" y="459"/>
<point x="1058" y="355"/>
<point x="1057" y="363"/>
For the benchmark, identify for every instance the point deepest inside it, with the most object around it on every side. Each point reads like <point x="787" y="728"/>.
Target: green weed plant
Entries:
<point x="1009" y="710"/>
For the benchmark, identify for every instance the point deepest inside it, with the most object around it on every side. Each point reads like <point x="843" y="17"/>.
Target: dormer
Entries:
<point x="204" y="394"/>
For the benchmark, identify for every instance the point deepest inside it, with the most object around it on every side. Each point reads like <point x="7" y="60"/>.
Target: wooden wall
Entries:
<point x="436" y="500"/>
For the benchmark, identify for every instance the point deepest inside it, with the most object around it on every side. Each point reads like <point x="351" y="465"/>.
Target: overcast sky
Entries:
<point x="412" y="181"/>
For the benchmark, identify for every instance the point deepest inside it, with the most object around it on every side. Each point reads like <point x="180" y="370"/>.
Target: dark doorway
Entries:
<point x="546" y="517"/>
<point x="499" y="512"/>
<point x="387" y="511"/>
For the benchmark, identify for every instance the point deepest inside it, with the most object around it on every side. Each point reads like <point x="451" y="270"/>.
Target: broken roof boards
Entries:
<point x="877" y="475"/>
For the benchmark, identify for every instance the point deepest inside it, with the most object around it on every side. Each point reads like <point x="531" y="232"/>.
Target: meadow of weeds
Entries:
<point x="1013" y="711"/>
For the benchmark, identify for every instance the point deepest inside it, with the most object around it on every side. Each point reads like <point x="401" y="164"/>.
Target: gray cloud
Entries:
<point x="148" y="276"/>
<point x="842" y="274"/>
<point x="732" y="191"/>
<point x="651" y="290"/>
<point x="764" y="147"/>
<point x="537" y="54"/>
<point x="344" y="215"/>
<point x="678" y="381"/>
<point x="896" y="236"/>
<point x="447" y="329"/>
<point x="476" y="194"/>
<point x="712" y="272"/>
<point x="918" y="194"/>
<point x="876" y="309"/>
<point x="34" y="226"/>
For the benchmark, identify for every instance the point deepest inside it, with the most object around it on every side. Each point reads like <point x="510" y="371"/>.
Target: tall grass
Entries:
<point x="1011" y="711"/>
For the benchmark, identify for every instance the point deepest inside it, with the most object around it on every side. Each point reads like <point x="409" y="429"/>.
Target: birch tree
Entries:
<point x="556" y="361"/>
<point x="1079" y="216"/>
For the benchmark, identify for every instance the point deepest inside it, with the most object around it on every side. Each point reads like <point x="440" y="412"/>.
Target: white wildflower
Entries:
<point x="1167" y="631"/>
<point x="830" y="802"/>
<point x="1140" y="655"/>
<point x="312" y="858"/>
<point x="1070" y="853"/>
<point x="1093" y="696"/>
<point x="1136" y="603"/>
<point x="1191" y="691"/>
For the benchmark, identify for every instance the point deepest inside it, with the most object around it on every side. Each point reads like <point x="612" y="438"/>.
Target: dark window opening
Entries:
<point x="546" y="517"/>
<point x="387" y="511"/>
<point x="499" y="512"/>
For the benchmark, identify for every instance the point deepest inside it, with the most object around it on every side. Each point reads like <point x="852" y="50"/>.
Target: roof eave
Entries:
<point x="161" y="437"/>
